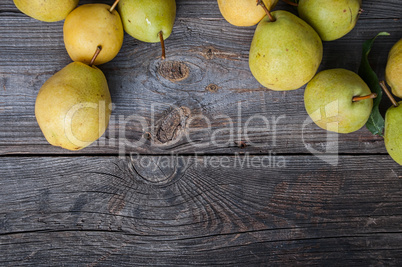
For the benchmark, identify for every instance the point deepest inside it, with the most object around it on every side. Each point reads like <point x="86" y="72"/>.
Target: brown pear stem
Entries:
<point x="114" y="6"/>
<point x="359" y="98"/>
<point x="98" y="50"/>
<point x="162" y="44"/>
<point x="390" y="96"/>
<point x="260" y="3"/>
<point x="290" y="3"/>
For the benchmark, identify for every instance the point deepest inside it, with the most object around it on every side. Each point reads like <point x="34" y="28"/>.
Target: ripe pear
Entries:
<point x="331" y="19"/>
<point x="148" y="20"/>
<point x="90" y="26"/>
<point x="284" y="54"/>
<point x="392" y="132"/>
<point x="44" y="10"/>
<point x="393" y="71"/>
<point x="244" y="12"/>
<point x="331" y="100"/>
<point x="73" y="106"/>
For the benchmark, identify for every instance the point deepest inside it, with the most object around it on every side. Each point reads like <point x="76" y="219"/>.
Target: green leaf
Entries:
<point x="375" y="123"/>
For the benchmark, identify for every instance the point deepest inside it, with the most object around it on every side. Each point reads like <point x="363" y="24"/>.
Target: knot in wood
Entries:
<point x="170" y="125"/>
<point x="212" y="88"/>
<point x="173" y="71"/>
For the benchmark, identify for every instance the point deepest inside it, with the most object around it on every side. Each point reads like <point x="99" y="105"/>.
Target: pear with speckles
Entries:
<point x="73" y="106"/>
<point x="331" y="19"/>
<point x="328" y="100"/>
<point x="45" y="10"/>
<point x="286" y="53"/>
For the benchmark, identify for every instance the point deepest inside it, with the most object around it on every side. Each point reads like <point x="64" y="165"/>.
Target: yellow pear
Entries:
<point x="393" y="71"/>
<point x="73" y="106"/>
<point x="244" y="12"/>
<point x="90" y="26"/>
<point x="46" y="10"/>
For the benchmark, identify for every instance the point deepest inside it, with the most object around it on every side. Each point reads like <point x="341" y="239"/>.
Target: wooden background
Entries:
<point x="94" y="208"/>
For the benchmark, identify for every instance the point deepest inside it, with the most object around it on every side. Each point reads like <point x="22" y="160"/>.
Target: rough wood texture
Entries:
<point x="104" y="211"/>
<point x="216" y="204"/>
<point x="216" y="83"/>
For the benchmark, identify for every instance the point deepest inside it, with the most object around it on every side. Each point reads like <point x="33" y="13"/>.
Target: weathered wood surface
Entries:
<point x="216" y="83"/>
<point x="92" y="208"/>
<point x="100" y="211"/>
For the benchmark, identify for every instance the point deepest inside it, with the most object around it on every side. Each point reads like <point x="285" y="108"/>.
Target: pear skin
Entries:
<point x="393" y="71"/>
<point x="331" y="19"/>
<point x="328" y="100"/>
<point x="48" y="11"/>
<point x="145" y="19"/>
<point x="73" y="106"/>
<point x="284" y="54"/>
<point x="89" y="26"/>
<point x="244" y="13"/>
<point x="392" y="132"/>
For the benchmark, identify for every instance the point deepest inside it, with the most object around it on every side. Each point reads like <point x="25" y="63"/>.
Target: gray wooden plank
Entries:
<point x="200" y="210"/>
<point x="215" y="53"/>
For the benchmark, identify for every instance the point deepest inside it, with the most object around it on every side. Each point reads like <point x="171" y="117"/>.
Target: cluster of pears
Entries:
<point x="393" y="116"/>
<point x="338" y="100"/>
<point x="286" y="51"/>
<point x="73" y="107"/>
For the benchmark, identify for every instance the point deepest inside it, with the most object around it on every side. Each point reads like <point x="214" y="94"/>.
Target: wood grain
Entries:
<point x="214" y="54"/>
<point x="107" y="211"/>
<point x="192" y="192"/>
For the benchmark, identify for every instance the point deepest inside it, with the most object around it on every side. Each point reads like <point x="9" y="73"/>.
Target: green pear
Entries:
<point x="392" y="132"/>
<point x="148" y="20"/>
<point x="332" y="100"/>
<point x="73" y="106"/>
<point x="331" y="19"/>
<point x="284" y="54"/>
<point x="46" y="10"/>
<point x="393" y="71"/>
<point x="90" y="26"/>
<point x="244" y="12"/>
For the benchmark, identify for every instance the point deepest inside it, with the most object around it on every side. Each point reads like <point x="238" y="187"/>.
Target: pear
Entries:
<point x="244" y="12"/>
<point x="284" y="54"/>
<point x="44" y="10"/>
<point x="338" y="100"/>
<point x="331" y="19"/>
<point x="392" y="132"/>
<point x="148" y="20"/>
<point x="90" y="26"/>
<point x="73" y="106"/>
<point x="393" y="71"/>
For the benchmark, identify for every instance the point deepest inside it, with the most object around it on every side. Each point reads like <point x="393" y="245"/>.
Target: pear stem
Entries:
<point x="114" y="6"/>
<point x="162" y="44"/>
<point x="384" y="87"/>
<point x="290" y="3"/>
<point x="98" y="50"/>
<point x="260" y="3"/>
<point x="359" y="98"/>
